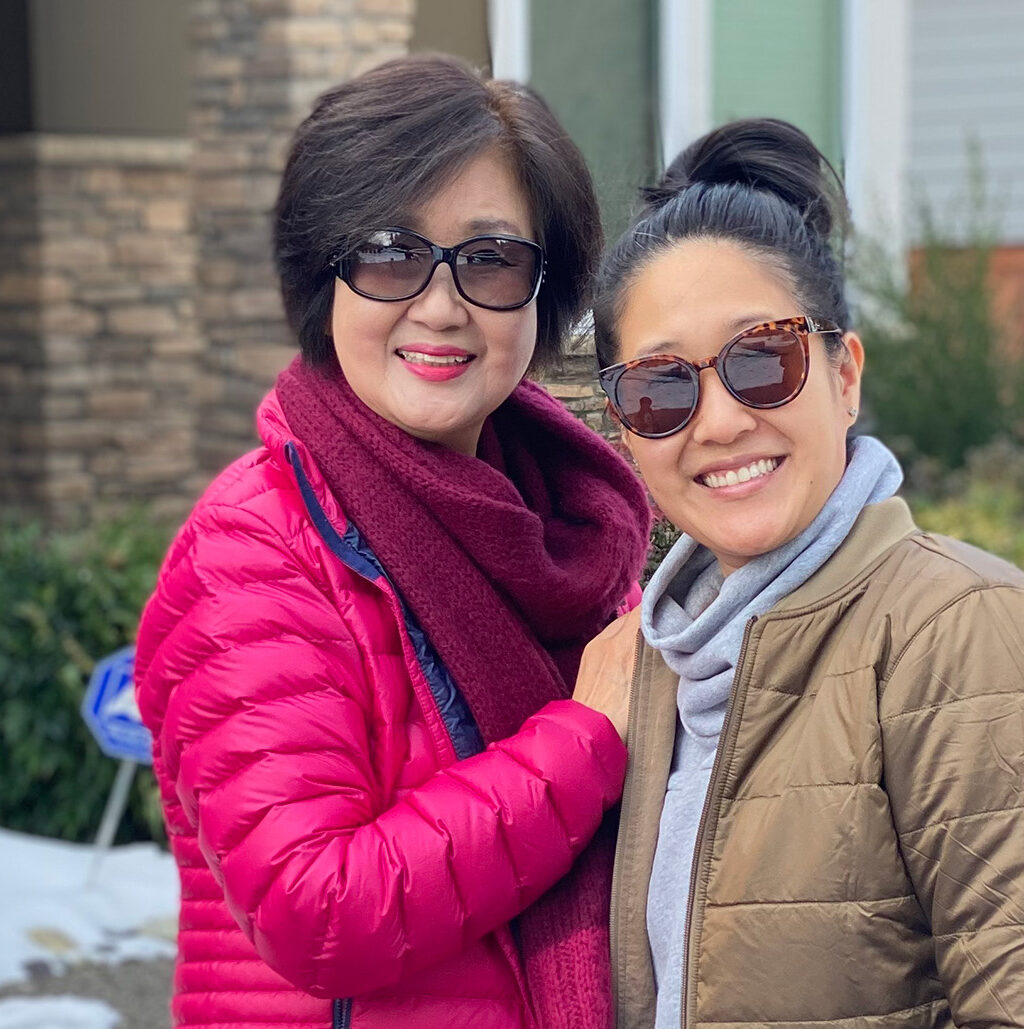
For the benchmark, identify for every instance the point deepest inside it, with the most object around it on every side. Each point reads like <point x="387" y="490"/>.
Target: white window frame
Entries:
<point x="509" y="26"/>
<point x="876" y="117"/>
<point x="684" y="73"/>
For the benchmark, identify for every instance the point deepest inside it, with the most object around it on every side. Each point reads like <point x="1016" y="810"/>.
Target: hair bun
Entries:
<point x="764" y="154"/>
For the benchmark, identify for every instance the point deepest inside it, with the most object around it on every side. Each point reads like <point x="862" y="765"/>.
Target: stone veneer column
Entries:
<point x="97" y="337"/>
<point x="22" y="361"/>
<point x="257" y="67"/>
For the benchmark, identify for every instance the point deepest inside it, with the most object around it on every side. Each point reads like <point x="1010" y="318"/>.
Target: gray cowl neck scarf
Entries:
<point x="697" y="619"/>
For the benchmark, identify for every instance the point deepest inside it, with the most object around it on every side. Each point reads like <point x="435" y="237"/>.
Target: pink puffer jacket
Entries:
<point x="332" y="846"/>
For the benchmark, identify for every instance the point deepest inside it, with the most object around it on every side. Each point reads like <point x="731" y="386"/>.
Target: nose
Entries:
<point x="720" y="417"/>
<point x="439" y="306"/>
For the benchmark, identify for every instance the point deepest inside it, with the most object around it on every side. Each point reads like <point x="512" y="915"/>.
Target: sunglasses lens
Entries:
<point x="490" y="271"/>
<point x="765" y="368"/>
<point x="390" y="265"/>
<point x="656" y="395"/>
<point x="496" y="272"/>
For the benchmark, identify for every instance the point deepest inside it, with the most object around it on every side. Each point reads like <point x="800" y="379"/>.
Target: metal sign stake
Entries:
<point x="112" y="813"/>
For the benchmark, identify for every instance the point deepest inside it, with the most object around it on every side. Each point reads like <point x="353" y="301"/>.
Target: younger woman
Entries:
<point x="823" y="819"/>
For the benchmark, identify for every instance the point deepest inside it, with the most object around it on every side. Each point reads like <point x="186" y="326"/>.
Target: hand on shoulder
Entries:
<point x="606" y="670"/>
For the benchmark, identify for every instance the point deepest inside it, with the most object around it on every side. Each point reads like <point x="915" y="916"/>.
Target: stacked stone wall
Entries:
<point x="257" y="68"/>
<point x="575" y="385"/>
<point x="22" y="401"/>
<point x="98" y="344"/>
<point x="140" y="321"/>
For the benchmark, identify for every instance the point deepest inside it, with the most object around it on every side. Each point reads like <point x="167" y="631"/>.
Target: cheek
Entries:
<point x="514" y="336"/>
<point x="358" y="324"/>
<point x="657" y="461"/>
<point x="822" y="436"/>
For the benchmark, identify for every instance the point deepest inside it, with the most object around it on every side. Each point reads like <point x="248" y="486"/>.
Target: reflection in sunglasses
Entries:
<point x="762" y="367"/>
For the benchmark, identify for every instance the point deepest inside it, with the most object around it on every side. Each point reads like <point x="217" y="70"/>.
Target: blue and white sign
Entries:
<point x="112" y="712"/>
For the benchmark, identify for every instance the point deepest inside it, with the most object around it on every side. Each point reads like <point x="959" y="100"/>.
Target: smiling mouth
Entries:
<point x="434" y="360"/>
<point x="754" y="470"/>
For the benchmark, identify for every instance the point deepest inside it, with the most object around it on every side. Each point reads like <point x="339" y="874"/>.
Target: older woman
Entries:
<point x="823" y="817"/>
<point x="359" y="660"/>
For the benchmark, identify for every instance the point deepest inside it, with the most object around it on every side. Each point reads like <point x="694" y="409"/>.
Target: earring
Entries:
<point x="852" y="412"/>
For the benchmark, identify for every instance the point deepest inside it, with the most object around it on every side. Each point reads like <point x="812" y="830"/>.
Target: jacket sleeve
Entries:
<point x="952" y="717"/>
<point x="268" y="736"/>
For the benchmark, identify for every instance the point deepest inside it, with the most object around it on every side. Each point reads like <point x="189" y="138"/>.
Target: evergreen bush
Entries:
<point x="65" y="602"/>
<point x="663" y="536"/>
<point x="982" y="503"/>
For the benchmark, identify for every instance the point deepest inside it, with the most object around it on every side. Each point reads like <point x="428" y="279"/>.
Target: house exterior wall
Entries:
<point x="1007" y="282"/>
<point x="140" y="321"/>
<point x="139" y="316"/>
<point x="967" y="133"/>
<point x="258" y="66"/>
<point x="98" y="343"/>
<point x="454" y="27"/>
<point x="110" y="67"/>
<point x="782" y="59"/>
<point x="596" y="72"/>
<point x="22" y="362"/>
<point x="15" y="70"/>
<point x="967" y="90"/>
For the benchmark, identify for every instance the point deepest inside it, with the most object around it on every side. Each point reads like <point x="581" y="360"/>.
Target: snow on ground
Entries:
<point x="60" y="906"/>
<point x="56" y="1013"/>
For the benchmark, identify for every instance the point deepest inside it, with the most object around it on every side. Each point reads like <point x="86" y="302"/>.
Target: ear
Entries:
<point x="850" y="373"/>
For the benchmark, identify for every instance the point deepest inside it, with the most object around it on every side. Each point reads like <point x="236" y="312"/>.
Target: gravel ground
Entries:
<point x="138" y="989"/>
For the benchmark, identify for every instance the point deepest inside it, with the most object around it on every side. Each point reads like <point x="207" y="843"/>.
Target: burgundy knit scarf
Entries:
<point x="511" y="562"/>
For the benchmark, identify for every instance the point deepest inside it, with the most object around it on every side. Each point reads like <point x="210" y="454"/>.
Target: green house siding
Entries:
<point x="594" y="64"/>
<point x="781" y="58"/>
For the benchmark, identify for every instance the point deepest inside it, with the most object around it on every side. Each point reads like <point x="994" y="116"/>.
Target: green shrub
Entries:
<point x="663" y="535"/>
<point x="990" y="517"/>
<point x="983" y="503"/>
<point x="65" y="602"/>
<point x="941" y="377"/>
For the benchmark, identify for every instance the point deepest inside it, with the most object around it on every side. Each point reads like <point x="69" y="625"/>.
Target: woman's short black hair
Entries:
<point x="759" y="183"/>
<point x="383" y="143"/>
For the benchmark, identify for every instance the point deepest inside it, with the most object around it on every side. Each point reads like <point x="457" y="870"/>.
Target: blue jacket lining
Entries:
<point x="356" y="553"/>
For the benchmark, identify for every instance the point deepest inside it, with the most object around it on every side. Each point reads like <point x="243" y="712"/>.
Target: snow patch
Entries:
<point x="60" y="907"/>
<point x="56" y="1013"/>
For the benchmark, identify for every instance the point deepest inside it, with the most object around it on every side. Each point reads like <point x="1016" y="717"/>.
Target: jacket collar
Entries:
<point x="879" y="527"/>
<point x="273" y="427"/>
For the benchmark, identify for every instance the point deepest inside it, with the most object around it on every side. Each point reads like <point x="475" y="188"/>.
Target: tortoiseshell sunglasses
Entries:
<point x="763" y="367"/>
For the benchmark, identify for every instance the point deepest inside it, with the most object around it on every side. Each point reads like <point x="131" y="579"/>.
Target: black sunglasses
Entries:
<point x="498" y="272"/>
<point x="763" y="367"/>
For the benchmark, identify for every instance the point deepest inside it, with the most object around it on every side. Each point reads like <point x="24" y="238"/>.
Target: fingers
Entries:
<point x="606" y="670"/>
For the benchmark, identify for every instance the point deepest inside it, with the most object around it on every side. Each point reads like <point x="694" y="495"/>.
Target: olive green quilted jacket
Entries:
<point x="860" y="861"/>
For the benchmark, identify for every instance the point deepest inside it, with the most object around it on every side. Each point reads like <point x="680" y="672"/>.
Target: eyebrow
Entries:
<point x="733" y="327"/>
<point x="476" y="227"/>
<point x="653" y="349"/>
<point x="482" y="225"/>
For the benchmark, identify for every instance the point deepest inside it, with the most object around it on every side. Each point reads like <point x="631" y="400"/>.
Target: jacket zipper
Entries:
<point x="341" y="1014"/>
<point x="727" y="729"/>
<point x="630" y="738"/>
<point x="341" y="1008"/>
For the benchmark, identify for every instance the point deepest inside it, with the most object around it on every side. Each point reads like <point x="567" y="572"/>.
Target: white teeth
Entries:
<point x="754" y="470"/>
<point x="415" y="357"/>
